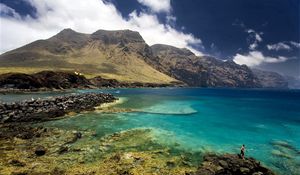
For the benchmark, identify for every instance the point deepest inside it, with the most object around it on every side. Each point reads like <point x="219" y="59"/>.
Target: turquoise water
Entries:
<point x="221" y="120"/>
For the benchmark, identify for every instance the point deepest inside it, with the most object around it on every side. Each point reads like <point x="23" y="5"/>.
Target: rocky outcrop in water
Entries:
<point x="230" y="164"/>
<point x="47" y="109"/>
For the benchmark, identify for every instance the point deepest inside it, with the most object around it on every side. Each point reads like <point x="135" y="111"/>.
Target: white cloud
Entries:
<point x="256" y="36"/>
<point x="86" y="17"/>
<point x="5" y="10"/>
<point x="279" y="46"/>
<point x="157" y="5"/>
<point x="255" y="58"/>
<point x="295" y="44"/>
<point x="253" y="46"/>
<point x="285" y="45"/>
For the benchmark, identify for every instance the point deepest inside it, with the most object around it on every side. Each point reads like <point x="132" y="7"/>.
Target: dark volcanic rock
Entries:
<point x="40" y="151"/>
<point x="49" y="80"/>
<point x="270" y="79"/>
<point x="61" y="80"/>
<point x="102" y="82"/>
<point x="112" y="83"/>
<point x="47" y="109"/>
<point x="19" y="81"/>
<point x="203" y="71"/>
<point x="229" y="164"/>
<point x="44" y="79"/>
<point x="15" y="162"/>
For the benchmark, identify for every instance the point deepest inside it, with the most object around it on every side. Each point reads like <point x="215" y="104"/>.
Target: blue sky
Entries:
<point x="260" y="33"/>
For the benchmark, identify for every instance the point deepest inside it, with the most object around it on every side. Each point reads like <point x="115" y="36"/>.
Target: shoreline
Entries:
<point x="118" y="101"/>
<point x="63" y="80"/>
<point x="48" y="109"/>
<point x="44" y="150"/>
<point x="6" y="91"/>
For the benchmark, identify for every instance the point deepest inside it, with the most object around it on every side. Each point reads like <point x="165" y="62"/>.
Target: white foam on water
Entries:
<point x="260" y="126"/>
<point x="120" y="100"/>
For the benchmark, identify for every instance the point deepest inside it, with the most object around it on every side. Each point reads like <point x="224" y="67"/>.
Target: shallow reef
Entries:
<point x="31" y="149"/>
<point x="38" y="150"/>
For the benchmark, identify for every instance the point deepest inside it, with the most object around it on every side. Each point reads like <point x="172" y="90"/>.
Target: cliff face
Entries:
<point x="204" y="71"/>
<point x="293" y="82"/>
<point x="270" y="79"/>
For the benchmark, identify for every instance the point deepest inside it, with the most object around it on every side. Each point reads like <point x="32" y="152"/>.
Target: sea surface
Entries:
<point x="202" y="119"/>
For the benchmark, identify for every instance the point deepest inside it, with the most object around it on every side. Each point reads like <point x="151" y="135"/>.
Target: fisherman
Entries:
<point x="243" y="149"/>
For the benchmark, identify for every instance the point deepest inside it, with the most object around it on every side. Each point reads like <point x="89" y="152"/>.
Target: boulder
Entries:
<point x="40" y="151"/>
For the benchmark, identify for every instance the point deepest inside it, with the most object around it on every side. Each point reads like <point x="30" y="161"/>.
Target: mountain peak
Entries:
<point x="67" y="34"/>
<point x="70" y="36"/>
<point x="117" y="36"/>
<point x="67" y="31"/>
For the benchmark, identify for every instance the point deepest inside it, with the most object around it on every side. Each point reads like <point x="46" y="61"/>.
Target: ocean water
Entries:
<point x="203" y="119"/>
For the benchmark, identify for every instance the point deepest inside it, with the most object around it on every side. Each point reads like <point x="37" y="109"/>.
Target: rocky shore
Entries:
<point x="50" y="80"/>
<point x="47" y="109"/>
<point x="231" y="164"/>
<point x="40" y="150"/>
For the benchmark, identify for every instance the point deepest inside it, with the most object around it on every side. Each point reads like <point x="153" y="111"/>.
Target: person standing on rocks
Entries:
<point x="243" y="149"/>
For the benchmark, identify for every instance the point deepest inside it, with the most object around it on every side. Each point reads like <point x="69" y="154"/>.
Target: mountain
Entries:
<point x="110" y="54"/>
<point x="293" y="82"/>
<point x="124" y="57"/>
<point x="270" y="79"/>
<point x="203" y="71"/>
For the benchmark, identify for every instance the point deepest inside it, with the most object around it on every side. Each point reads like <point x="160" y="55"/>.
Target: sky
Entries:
<point x="262" y="34"/>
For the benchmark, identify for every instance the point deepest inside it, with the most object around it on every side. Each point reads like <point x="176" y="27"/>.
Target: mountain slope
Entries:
<point x="204" y="71"/>
<point x="110" y="54"/>
<point x="270" y="79"/>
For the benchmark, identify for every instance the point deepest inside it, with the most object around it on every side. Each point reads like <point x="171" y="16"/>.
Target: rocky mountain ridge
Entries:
<point x="202" y="71"/>
<point x="270" y="79"/>
<point x="124" y="56"/>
